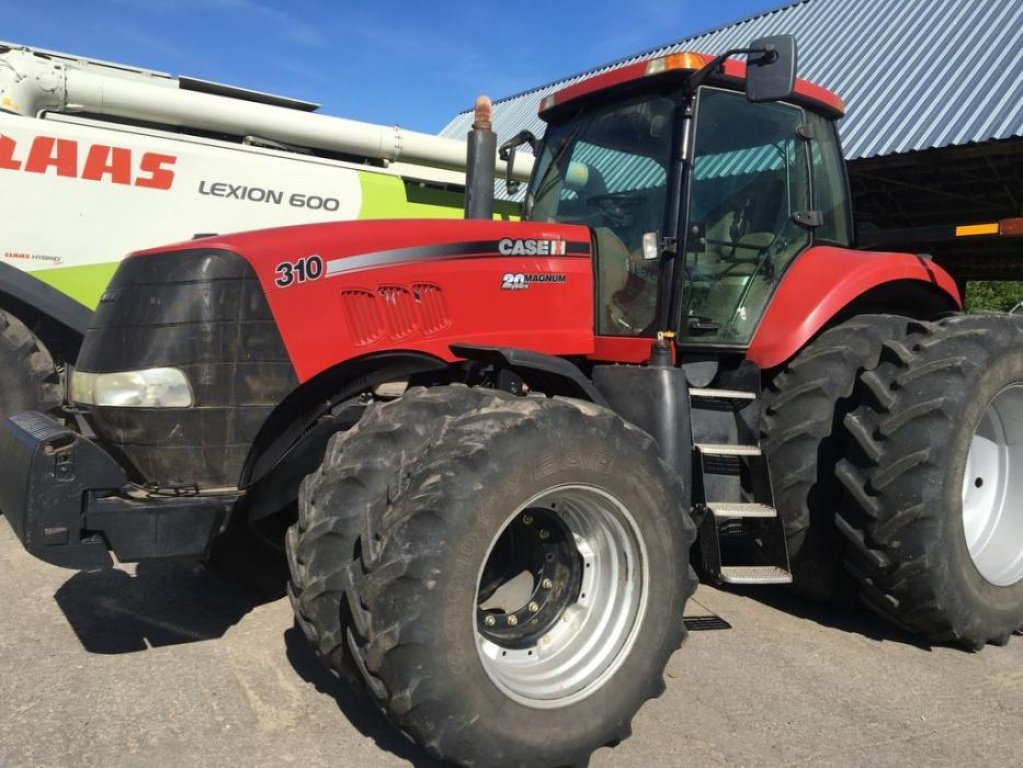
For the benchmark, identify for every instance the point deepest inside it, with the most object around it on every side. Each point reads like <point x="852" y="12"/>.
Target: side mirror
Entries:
<point x="771" y="68"/>
<point x="507" y="153"/>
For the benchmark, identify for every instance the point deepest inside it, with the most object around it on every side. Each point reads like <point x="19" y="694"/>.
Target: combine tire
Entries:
<point x="935" y="519"/>
<point x="506" y="575"/>
<point x="28" y="377"/>
<point x="804" y="438"/>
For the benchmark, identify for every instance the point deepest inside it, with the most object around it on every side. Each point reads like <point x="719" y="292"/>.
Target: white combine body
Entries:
<point x="99" y="159"/>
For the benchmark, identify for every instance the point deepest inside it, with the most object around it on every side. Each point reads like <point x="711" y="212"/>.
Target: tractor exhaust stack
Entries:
<point x="481" y="151"/>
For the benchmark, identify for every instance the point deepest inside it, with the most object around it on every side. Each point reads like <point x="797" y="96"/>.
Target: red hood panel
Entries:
<point x="350" y="289"/>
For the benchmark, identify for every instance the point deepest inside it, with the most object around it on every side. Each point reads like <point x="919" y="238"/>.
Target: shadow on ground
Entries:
<point x="849" y="616"/>
<point x="164" y="603"/>
<point x="170" y="603"/>
<point x="354" y="705"/>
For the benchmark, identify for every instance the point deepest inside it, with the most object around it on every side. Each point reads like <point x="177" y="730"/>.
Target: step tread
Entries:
<point x="729" y="509"/>
<point x="722" y="394"/>
<point x="717" y="449"/>
<point x="755" y="574"/>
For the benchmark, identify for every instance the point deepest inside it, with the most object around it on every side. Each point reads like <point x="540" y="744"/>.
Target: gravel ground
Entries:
<point x="165" y="664"/>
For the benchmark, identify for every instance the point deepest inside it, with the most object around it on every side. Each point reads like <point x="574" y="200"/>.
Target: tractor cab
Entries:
<point x="700" y="186"/>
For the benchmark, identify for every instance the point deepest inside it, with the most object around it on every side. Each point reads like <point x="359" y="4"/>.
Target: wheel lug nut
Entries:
<point x="527" y="519"/>
<point x="490" y="621"/>
<point x="547" y="583"/>
<point x="534" y="607"/>
<point x="544" y="533"/>
<point x="513" y="621"/>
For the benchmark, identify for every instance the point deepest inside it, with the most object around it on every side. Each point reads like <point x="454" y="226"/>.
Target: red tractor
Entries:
<point x="504" y="438"/>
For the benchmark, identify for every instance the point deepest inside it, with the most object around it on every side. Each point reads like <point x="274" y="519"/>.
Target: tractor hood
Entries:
<point x="241" y="322"/>
<point x="346" y="290"/>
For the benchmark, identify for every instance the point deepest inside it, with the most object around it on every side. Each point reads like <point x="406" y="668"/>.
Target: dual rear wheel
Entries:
<point x="933" y="513"/>
<point x="896" y="449"/>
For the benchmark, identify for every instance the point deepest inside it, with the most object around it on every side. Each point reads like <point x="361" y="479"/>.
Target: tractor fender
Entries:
<point x="304" y="416"/>
<point x="544" y="373"/>
<point x="825" y="281"/>
<point x="291" y="442"/>
<point x="59" y="321"/>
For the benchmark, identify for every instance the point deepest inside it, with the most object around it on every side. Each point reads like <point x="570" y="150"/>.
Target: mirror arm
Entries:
<point x="507" y="153"/>
<point x="522" y="137"/>
<point x="700" y="76"/>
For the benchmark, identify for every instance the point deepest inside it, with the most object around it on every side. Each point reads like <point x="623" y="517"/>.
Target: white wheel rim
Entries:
<point x="597" y="625"/>
<point x="992" y="487"/>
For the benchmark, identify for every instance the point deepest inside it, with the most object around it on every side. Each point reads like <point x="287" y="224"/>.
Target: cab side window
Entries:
<point x="750" y="177"/>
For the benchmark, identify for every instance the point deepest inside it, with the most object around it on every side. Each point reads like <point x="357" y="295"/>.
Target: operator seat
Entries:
<point x="627" y="290"/>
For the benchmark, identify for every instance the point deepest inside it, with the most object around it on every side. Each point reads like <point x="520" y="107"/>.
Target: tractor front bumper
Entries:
<point x="70" y="503"/>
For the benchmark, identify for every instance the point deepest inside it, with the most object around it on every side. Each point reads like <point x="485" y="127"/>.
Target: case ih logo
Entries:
<point x="510" y="247"/>
<point x="94" y="162"/>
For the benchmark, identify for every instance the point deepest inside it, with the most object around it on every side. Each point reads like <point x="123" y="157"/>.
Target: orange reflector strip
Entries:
<point x="1011" y="227"/>
<point x="972" y="230"/>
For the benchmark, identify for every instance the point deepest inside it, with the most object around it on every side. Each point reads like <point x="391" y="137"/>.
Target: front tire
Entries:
<point x="935" y="519"/>
<point x="510" y="583"/>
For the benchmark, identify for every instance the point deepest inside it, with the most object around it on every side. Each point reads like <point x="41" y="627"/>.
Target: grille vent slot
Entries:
<point x="395" y="312"/>
<point x="363" y="316"/>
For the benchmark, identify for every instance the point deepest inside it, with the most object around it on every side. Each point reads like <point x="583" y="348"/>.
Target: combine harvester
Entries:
<point x="99" y="159"/>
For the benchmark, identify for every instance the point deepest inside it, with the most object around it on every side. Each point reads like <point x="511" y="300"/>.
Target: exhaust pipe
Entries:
<point x="480" y="166"/>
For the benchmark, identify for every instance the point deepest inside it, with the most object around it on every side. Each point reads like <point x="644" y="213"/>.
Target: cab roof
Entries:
<point x="732" y="73"/>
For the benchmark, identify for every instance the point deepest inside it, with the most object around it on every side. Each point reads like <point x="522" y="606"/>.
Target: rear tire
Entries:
<point x="803" y="437"/>
<point x="388" y="563"/>
<point x="28" y="376"/>
<point x="932" y="547"/>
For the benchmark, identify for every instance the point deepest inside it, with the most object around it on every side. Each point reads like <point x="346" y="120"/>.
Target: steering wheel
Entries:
<point x="740" y="220"/>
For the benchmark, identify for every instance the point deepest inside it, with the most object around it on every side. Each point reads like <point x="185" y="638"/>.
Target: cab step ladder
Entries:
<point x="742" y="539"/>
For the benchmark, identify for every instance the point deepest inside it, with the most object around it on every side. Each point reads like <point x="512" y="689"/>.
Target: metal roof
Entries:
<point x="914" y="74"/>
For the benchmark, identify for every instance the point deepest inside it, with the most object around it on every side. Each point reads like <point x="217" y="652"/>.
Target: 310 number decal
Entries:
<point x="300" y="271"/>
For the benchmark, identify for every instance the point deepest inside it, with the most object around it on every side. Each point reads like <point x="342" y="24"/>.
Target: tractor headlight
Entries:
<point x="150" y="388"/>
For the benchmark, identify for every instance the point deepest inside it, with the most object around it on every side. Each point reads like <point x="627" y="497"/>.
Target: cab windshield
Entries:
<point x="608" y="169"/>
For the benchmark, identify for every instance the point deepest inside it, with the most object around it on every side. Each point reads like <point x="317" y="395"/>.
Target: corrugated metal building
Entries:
<point x="934" y="93"/>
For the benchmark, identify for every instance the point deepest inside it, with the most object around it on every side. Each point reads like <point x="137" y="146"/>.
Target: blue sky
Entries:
<point x="412" y="63"/>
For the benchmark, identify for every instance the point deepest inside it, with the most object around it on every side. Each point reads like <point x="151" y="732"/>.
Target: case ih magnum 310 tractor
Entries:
<point x="504" y="438"/>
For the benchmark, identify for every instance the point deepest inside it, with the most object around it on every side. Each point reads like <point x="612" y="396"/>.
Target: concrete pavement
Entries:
<point x="168" y="665"/>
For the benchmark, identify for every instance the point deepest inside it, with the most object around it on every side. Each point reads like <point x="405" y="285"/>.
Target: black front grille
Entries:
<point x="203" y="311"/>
